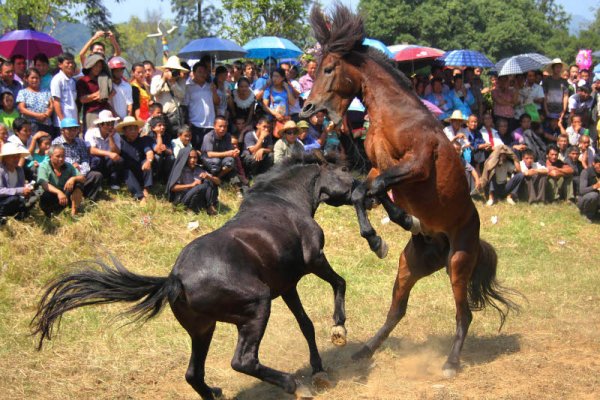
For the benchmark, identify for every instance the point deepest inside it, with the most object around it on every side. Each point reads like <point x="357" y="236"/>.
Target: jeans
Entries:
<point x="501" y="190"/>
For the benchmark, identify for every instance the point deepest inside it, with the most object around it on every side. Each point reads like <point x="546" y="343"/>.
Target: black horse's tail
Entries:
<point x="484" y="289"/>
<point x="89" y="286"/>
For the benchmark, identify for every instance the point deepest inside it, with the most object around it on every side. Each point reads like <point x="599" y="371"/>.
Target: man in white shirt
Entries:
<point x="530" y="93"/>
<point x="105" y="148"/>
<point x="63" y="89"/>
<point x="200" y="98"/>
<point x="122" y="101"/>
<point x="536" y="176"/>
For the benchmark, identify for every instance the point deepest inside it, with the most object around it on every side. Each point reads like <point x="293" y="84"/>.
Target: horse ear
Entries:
<point x="320" y="157"/>
<point x="320" y="25"/>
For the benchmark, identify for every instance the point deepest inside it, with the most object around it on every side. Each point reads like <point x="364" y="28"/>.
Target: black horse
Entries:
<point x="231" y="275"/>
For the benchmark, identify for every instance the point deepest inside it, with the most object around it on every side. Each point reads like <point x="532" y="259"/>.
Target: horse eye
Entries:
<point x="328" y="70"/>
<point x="345" y="169"/>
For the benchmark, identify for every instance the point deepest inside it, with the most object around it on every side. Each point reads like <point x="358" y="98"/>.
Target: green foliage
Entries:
<point x="200" y="21"/>
<point x="42" y="13"/>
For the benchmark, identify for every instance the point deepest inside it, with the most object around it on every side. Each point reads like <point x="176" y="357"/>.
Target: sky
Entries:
<point x="121" y="12"/>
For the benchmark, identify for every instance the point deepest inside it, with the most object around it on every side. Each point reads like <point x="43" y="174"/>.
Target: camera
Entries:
<point x="175" y="73"/>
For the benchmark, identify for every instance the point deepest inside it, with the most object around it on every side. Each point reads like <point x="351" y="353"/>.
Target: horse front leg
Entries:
<point x="377" y="245"/>
<point x="399" y="216"/>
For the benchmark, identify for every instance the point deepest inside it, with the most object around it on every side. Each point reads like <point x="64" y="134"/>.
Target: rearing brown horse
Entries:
<point x="412" y="157"/>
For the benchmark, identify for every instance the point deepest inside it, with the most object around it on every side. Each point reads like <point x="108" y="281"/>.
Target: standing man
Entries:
<point x="91" y="92"/>
<point x="7" y="79"/>
<point x="64" y="90"/>
<point x="77" y="153"/>
<point x="97" y="47"/>
<point x="42" y="64"/>
<point x="573" y="79"/>
<point x="201" y="97"/>
<point x="169" y="89"/>
<point x="149" y="71"/>
<point x="556" y="91"/>
<point x="20" y="65"/>
<point x="122" y="101"/>
<point x="307" y="80"/>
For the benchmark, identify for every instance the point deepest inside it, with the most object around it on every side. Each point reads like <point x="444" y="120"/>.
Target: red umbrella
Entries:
<point x="413" y="53"/>
<point x="29" y="43"/>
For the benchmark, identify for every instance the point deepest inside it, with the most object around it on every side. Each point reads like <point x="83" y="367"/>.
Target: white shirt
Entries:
<point x="535" y="166"/>
<point x="64" y="89"/>
<point x="201" y="106"/>
<point x="486" y="136"/>
<point x="450" y="134"/>
<point x="527" y="95"/>
<point x="295" y="109"/>
<point x="94" y="139"/>
<point x="123" y="97"/>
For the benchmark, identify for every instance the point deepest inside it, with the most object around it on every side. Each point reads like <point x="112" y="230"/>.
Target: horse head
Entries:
<point x="338" y="79"/>
<point x="335" y="182"/>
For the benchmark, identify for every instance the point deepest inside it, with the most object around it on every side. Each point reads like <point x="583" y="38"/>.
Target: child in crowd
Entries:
<point x="156" y="110"/>
<point x="183" y="141"/>
<point x="9" y="112"/>
<point x="575" y="130"/>
<point x="163" y="154"/>
<point x="43" y="144"/>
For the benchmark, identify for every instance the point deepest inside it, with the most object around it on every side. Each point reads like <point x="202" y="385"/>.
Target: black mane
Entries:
<point x="344" y="34"/>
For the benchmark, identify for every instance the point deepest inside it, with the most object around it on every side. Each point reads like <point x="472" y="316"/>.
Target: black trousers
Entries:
<point x="12" y="205"/>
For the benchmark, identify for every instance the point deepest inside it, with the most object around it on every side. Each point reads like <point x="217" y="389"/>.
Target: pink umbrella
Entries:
<point x="435" y="110"/>
<point x="29" y="43"/>
<point x="414" y="52"/>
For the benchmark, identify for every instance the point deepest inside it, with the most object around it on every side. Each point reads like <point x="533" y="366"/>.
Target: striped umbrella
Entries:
<point x="520" y="64"/>
<point x="466" y="58"/>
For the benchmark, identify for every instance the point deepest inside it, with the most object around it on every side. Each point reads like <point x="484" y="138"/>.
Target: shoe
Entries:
<point x="510" y="201"/>
<point x="211" y="210"/>
<point x="115" y="187"/>
<point x="489" y="203"/>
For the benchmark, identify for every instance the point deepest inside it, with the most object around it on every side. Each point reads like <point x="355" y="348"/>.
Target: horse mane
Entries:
<point x="344" y="34"/>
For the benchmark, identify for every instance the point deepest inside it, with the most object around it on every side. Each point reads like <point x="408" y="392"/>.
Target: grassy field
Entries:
<point x="549" y="351"/>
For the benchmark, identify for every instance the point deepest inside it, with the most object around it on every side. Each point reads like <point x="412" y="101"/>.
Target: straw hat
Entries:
<point x="554" y="62"/>
<point x="129" y="121"/>
<point x="302" y="125"/>
<point x="12" y="149"/>
<point x="456" y="116"/>
<point x="106" y="116"/>
<point x="173" y="63"/>
<point x="289" y="125"/>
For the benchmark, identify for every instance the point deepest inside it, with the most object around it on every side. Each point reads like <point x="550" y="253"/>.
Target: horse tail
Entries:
<point x="484" y="289"/>
<point x="89" y="286"/>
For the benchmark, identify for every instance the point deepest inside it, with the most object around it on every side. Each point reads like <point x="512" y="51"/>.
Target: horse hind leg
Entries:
<point x="195" y="372"/>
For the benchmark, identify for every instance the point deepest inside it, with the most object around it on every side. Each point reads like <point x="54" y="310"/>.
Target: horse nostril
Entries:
<point x="308" y="107"/>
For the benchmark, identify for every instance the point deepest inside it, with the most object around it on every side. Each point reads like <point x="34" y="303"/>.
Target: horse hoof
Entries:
<point x="338" y="335"/>
<point x="382" y="250"/>
<point x="362" y="354"/>
<point x="449" y="370"/>
<point x="302" y="392"/>
<point x="217" y="392"/>
<point x="321" y="381"/>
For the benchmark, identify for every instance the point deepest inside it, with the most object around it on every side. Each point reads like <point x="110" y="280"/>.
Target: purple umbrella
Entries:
<point x="435" y="110"/>
<point x="29" y="43"/>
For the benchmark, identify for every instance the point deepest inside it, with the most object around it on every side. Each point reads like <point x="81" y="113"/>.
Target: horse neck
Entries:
<point x="304" y="194"/>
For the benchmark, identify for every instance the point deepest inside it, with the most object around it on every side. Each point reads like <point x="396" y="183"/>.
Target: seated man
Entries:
<point x="105" y="148"/>
<point x="562" y="142"/>
<point x="163" y="154"/>
<point x="589" y="190"/>
<point x="191" y="185"/>
<point x="138" y="158"/>
<point x="258" y="148"/>
<point x="13" y="188"/>
<point x="535" y="177"/>
<point x="574" y="161"/>
<point x="61" y="181"/>
<point x="503" y="183"/>
<point x="218" y="154"/>
<point x="560" y="176"/>
<point x="289" y="144"/>
<point x="77" y="154"/>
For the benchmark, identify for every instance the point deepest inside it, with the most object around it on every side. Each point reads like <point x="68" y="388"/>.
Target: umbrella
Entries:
<point x="271" y="46"/>
<point x="466" y="58"/>
<point x="519" y="64"/>
<point x="378" y="45"/>
<point x="413" y="52"/>
<point x="29" y="43"/>
<point x="435" y="110"/>
<point x="222" y="49"/>
<point x="356" y="105"/>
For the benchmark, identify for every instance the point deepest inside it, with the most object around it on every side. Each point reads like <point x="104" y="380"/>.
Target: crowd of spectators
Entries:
<point x="188" y="129"/>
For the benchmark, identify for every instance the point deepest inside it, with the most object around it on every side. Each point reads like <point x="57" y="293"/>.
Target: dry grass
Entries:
<point x="548" y="351"/>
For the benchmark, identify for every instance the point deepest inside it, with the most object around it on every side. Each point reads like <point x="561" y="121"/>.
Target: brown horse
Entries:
<point x="412" y="157"/>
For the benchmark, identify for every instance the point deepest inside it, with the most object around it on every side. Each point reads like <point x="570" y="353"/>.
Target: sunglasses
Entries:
<point x="291" y="133"/>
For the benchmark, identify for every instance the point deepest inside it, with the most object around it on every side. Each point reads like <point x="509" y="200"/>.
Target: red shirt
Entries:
<point x="86" y="86"/>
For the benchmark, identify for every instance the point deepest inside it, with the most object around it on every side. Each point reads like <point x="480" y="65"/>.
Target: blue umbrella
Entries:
<point x="379" y="46"/>
<point x="597" y="69"/>
<point x="271" y="46"/>
<point x="520" y="64"/>
<point x="356" y="105"/>
<point x="466" y="58"/>
<point x="222" y="49"/>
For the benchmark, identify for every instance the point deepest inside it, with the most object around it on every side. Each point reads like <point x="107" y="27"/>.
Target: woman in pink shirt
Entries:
<point x="505" y="98"/>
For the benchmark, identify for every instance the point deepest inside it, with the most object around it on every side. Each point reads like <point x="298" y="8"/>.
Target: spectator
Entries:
<point x="138" y="158"/>
<point x="308" y="141"/>
<point x="573" y="160"/>
<point x="264" y="81"/>
<point x="556" y="91"/>
<point x="236" y="73"/>
<point x="122" y="101"/>
<point x="8" y="112"/>
<point x="249" y="72"/>
<point x="587" y="151"/>
<point x="462" y="98"/>
<point x="307" y="80"/>
<point x="192" y="186"/>
<point x="456" y="133"/>
<point x="277" y="99"/>
<point x="589" y="190"/>
<point x="535" y="176"/>
<point x="155" y="110"/>
<point x="474" y="83"/>
<point x="64" y="91"/>
<point x="163" y="155"/>
<point x="551" y="130"/>
<point x="96" y="47"/>
<point x="7" y="79"/>
<point x="43" y="143"/>
<point x="584" y="77"/>
<point x="289" y="144"/>
<point x="477" y="144"/>
<point x="90" y="93"/>
<point x="507" y="177"/>
<point x="61" y="181"/>
<point x="573" y="79"/>
<point x="22" y="138"/>
<point x="242" y="102"/>
<point x="34" y="104"/>
<point x="183" y="141"/>
<point x="223" y="92"/>
<point x="3" y="134"/>
<point x="531" y="98"/>
<point x="490" y="136"/>
<point x="442" y="100"/>
<point x="149" y="71"/>
<point x="218" y="154"/>
<point x="105" y="148"/>
<point x="560" y="176"/>
<point x="505" y="98"/>
<point x="316" y="127"/>
<point x="13" y="188"/>
<point x="77" y="153"/>
<point x="575" y="130"/>
<point x="257" y="155"/>
<point x="201" y="98"/>
<point x="581" y="103"/>
<point x="291" y="73"/>
<point x="20" y="65"/>
<point x="562" y="143"/>
<point x="169" y="89"/>
<point x="518" y="136"/>
<point x="42" y="64"/>
<point x="470" y="172"/>
<point x="140" y="92"/>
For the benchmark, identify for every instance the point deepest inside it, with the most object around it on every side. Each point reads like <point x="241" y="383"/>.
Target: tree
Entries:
<point x="199" y="21"/>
